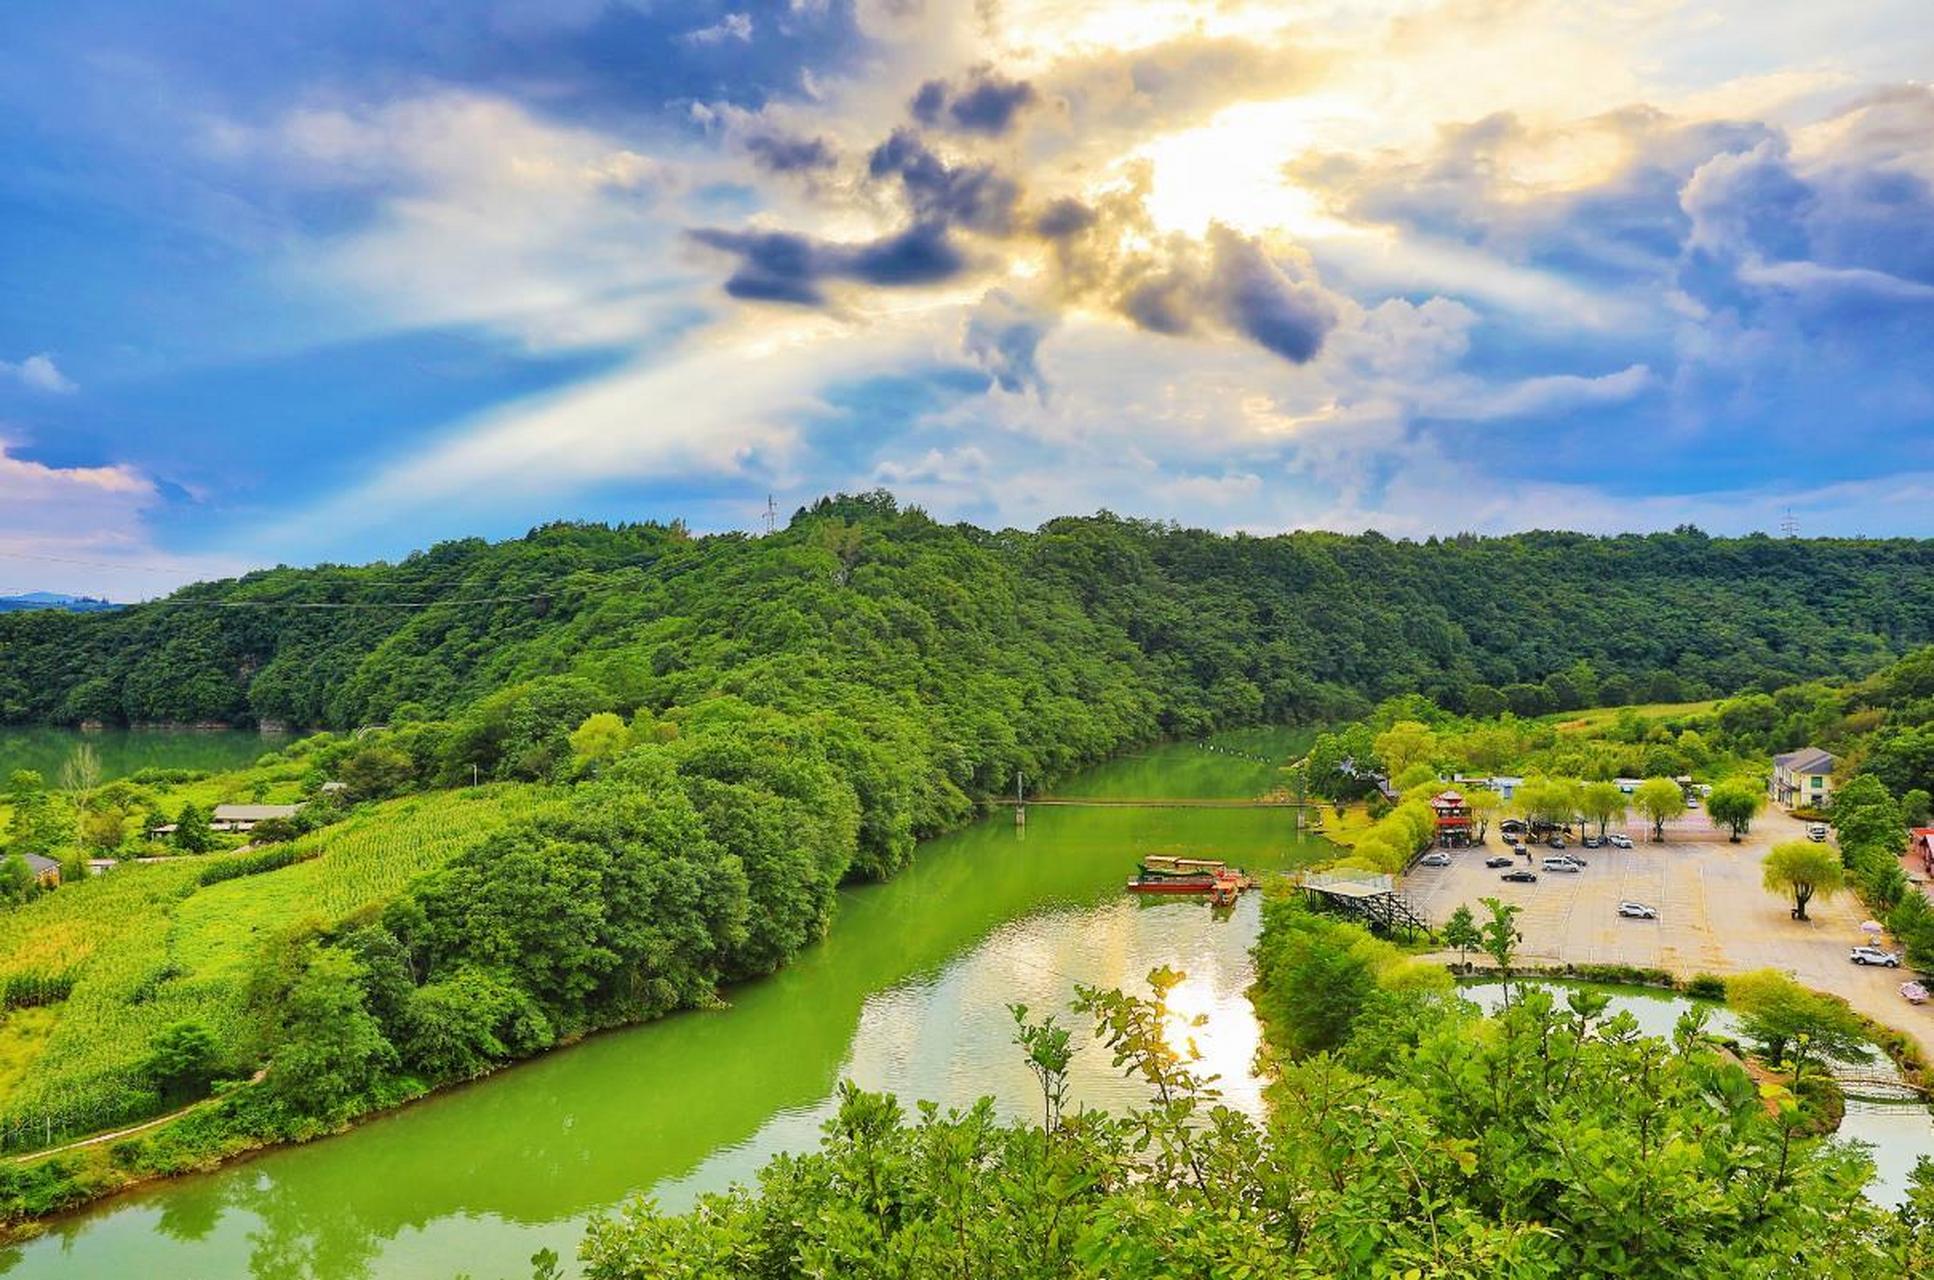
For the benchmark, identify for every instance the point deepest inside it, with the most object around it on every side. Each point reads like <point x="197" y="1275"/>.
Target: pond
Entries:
<point x="908" y="993"/>
<point x="126" y="751"/>
<point x="1898" y="1132"/>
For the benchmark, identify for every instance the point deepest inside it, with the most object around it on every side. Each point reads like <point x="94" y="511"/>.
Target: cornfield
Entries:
<point x="146" y="946"/>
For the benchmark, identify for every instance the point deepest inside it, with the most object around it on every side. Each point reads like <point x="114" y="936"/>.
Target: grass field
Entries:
<point x="1598" y="717"/>
<point x="148" y="945"/>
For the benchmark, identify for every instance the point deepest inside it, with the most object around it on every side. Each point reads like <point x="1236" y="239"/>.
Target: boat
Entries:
<point x="1913" y="993"/>
<point x="1146" y="883"/>
<point x="1218" y="880"/>
<point x="1164" y="865"/>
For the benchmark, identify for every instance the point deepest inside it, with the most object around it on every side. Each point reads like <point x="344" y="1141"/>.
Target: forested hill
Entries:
<point x="1118" y="627"/>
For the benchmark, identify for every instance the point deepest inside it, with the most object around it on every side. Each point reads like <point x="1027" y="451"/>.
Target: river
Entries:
<point x="126" y="751"/>
<point x="907" y="993"/>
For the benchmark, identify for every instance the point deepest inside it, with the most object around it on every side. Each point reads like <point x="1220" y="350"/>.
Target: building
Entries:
<point x="1453" y="819"/>
<point x="1503" y="784"/>
<point x="244" y="817"/>
<point x="1803" y="779"/>
<point x="46" y="870"/>
<point x="1920" y="847"/>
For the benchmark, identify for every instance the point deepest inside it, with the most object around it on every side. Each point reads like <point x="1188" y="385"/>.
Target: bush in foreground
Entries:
<point x="1426" y="1140"/>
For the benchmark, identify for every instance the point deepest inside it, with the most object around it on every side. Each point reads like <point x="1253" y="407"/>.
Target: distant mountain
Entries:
<point x="54" y="600"/>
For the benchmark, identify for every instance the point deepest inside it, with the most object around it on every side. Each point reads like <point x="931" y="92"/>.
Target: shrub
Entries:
<point x="1706" y="986"/>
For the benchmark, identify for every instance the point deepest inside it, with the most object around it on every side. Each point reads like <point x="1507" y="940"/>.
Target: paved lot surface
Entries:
<point x="1714" y="915"/>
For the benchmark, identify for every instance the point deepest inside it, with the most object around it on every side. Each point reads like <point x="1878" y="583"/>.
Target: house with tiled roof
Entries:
<point x="1802" y="779"/>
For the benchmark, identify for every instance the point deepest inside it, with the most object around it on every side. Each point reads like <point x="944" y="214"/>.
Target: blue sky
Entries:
<point x="334" y="280"/>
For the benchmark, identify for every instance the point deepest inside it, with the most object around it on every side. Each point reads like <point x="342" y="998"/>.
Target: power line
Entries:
<point x="330" y="576"/>
<point x="97" y="564"/>
<point x="325" y="604"/>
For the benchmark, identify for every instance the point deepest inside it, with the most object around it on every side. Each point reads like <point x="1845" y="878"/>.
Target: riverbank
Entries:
<point x="123" y="752"/>
<point x="913" y="975"/>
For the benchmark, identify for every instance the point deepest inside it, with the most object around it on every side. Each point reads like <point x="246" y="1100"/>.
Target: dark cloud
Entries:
<point x="1232" y="284"/>
<point x="1003" y="334"/>
<point x="976" y="196"/>
<point x="789" y="153"/>
<point x="989" y="103"/>
<point x="922" y="254"/>
<point x="774" y="266"/>
<point x="1063" y="218"/>
<point x="1284" y="312"/>
<point x="782" y="266"/>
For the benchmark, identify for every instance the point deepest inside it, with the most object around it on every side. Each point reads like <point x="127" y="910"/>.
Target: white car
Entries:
<point x="1874" y="955"/>
<point x="1619" y="842"/>
<point x="1434" y="860"/>
<point x="1561" y="864"/>
<point x="1637" y="911"/>
<point x="1816" y="832"/>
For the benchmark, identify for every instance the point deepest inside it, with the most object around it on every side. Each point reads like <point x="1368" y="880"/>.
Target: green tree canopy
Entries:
<point x="1660" y="800"/>
<point x="1735" y="803"/>
<point x="1804" y="870"/>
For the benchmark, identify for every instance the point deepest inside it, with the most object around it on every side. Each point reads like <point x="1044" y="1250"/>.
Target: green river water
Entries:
<point x="125" y="751"/>
<point x="907" y="993"/>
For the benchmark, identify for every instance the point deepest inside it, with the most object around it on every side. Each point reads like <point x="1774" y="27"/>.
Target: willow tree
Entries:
<point x="1806" y="870"/>
<point x="1603" y="803"/>
<point x="1659" y="799"/>
<point x="1736" y="803"/>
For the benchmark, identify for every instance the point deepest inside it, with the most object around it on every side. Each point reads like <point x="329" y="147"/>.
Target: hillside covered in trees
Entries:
<point x="686" y="744"/>
<point x="1138" y="625"/>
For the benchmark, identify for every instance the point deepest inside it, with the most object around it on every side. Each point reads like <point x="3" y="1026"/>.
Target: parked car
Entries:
<point x="1816" y="831"/>
<point x="1637" y="911"/>
<point x="1619" y="842"/>
<point x="1592" y="842"/>
<point x="1499" y="861"/>
<point x="1556" y="842"/>
<point x="1874" y="955"/>
<point x="1520" y="877"/>
<point x="1434" y="860"/>
<point x="1561" y="864"/>
<point x="1580" y="859"/>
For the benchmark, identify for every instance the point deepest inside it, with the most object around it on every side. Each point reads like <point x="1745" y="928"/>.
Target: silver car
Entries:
<point x="1637" y="911"/>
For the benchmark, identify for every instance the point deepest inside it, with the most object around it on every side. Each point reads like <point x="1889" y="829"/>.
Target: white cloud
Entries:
<point x="38" y="372"/>
<point x="733" y="26"/>
<point x="731" y="403"/>
<point x="482" y="213"/>
<point x="85" y="530"/>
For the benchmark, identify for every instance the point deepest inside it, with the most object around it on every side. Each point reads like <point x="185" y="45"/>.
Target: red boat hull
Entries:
<point x="1173" y="884"/>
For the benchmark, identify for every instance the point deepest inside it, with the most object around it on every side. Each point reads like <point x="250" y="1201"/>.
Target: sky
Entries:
<point x="332" y="280"/>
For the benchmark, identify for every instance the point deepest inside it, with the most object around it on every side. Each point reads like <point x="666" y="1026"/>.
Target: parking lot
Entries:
<point x="1714" y="914"/>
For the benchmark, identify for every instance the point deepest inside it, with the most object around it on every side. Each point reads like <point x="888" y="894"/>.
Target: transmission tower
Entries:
<point x="772" y="514"/>
<point x="1789" y="525"/>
